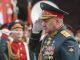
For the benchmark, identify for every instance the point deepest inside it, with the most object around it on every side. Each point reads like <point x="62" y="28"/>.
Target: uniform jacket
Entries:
<point x="61" y="46"/>
<point x="8" y="49"/>
<point x="3" y="47"/>
<point x="18" y="48"/>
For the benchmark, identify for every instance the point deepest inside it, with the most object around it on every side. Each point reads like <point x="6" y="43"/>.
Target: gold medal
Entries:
<point x="48" y="42"/>
<point x="40" y="56"/>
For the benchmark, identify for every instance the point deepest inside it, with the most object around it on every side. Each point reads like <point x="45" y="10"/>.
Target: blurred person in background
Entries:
<point x="69" y="29"/>
<point x="77" y="37"/>
<point x="27" y="31"/>
<point x="18" y="49"/>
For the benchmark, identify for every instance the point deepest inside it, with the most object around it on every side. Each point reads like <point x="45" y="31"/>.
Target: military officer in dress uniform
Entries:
<point x="58" y="44"/>
<point x="18" y="49"/>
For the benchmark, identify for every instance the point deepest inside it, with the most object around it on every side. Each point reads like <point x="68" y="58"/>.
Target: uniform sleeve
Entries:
<point x="34" y="42"/>
<point x="2" y="44"/>
<point x="3" y="47"/>
<point x="69" y="50"/>
<point x="3" y="56"/>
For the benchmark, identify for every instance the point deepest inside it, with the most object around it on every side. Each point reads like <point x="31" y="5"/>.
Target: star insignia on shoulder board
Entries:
<point x="41" y="5"/>
<point x="71" y="49"/>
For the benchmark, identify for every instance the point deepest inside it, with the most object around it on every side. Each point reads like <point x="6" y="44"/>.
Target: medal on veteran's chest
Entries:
<point x="47" y="50"/>
<point x="40" y="56"/>
<point x="49" y="41"/>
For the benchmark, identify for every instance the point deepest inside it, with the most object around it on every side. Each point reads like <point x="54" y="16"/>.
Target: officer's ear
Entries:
<point x="59" y="20"/>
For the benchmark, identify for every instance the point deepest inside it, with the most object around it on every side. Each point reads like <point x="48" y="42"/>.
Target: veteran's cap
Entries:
<point x="51" y="10"/>
<point x="45" y="10"/>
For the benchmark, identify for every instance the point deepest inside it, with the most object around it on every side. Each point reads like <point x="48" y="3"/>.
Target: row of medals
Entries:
<point x="47" y="49"/>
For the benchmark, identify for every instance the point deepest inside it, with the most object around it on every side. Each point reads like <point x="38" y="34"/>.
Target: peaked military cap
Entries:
<point x="16" y="24"/>
<point x="45" y="6"/>
<point x="50" y="11"/>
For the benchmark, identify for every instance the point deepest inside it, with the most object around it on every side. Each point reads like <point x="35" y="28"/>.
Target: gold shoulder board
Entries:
<point x="65" y="33"/>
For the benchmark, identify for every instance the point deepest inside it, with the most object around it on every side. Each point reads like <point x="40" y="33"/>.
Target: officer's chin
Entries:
<point x="46" y="31"/>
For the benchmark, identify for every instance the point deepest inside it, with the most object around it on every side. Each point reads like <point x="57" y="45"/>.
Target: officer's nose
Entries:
<point x="44" y="24"/>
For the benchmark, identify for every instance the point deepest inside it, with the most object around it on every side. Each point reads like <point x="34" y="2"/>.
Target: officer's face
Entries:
<point x="18" y="34"/>
<point x="49" y="25"/>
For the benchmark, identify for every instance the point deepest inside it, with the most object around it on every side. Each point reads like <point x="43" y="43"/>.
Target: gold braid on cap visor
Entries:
<point x="17" y="25"/>
<point x="47" y="15"/>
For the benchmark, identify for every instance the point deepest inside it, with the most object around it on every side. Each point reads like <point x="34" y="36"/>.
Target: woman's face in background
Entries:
<point x="18" y="34"/>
